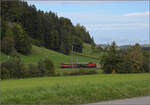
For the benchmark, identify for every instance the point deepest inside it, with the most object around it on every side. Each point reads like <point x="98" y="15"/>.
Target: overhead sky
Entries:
<point x="125" y="22"/>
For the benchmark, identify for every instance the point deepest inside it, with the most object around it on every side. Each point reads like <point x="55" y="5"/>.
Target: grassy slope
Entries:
<point x="74" y="89"/>
<point x="88" y="51"/>
<point x="41" y="52"/>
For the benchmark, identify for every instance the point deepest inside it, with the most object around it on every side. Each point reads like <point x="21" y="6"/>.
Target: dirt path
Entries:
<point x="132" y="101"/>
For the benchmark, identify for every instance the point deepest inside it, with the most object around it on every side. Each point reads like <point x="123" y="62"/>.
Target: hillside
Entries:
<point x="23" y="25"/>
<point x="38" y="53"/>
<point x="88" y="51"/>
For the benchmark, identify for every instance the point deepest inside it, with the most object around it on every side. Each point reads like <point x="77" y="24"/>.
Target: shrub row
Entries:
<point x="76" y="71"/>
<point x="15" y="68"/>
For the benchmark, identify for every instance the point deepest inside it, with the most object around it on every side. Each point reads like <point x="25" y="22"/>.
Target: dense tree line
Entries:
<point x="39" y="28"/>
<point x="131" y="60"/>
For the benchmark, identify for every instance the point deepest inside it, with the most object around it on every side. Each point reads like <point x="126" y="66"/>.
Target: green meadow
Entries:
<point x="74" y="89"/>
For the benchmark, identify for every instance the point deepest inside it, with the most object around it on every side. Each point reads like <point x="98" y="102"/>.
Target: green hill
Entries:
<point x="38" y="53"/>
<point x="89" y="52"/>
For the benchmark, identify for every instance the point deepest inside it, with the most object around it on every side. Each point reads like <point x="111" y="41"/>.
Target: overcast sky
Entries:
<point x="123" y="22"/>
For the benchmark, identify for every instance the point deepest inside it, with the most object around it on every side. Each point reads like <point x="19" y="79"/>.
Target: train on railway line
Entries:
<point x="79" y="65"/>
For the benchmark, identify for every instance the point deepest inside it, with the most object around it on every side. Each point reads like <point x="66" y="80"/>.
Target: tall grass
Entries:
<point x="74" y="89"/>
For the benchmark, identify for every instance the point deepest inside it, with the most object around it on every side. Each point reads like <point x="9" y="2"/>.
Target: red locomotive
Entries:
<point x="79" y="65"/>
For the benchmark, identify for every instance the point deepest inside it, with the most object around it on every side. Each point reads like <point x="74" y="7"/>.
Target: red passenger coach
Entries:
<point x="79" y="65"/>
<point x="90" y="64"/>
<point x="67" y="65"/>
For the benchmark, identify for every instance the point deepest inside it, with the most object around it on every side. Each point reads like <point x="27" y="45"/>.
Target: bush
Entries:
<point x="5" y="74"/>
<point x="41" y="68"/>
<point x="134" y="58"/>
<point x="146" y="61"/>
<point x="49" y="66"/>
<point x="84" y="71"/>
<point x="111" y="63"/>
<point x="7" y="45"/>
<point x="15" y="67"/>
<point x="26" y="72"/>
<point x="75" y="72"/>
<point x="111" y="60"/>
<point x="46" y="67"/>
<point x="33" y="71"/>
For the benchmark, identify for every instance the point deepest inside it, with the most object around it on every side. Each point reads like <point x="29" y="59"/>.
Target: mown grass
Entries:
<point x="74" y="89"/>
<point x="41" y="52"/>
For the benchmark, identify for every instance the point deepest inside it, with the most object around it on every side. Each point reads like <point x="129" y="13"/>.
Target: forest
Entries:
<point x="23" y="26"/>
